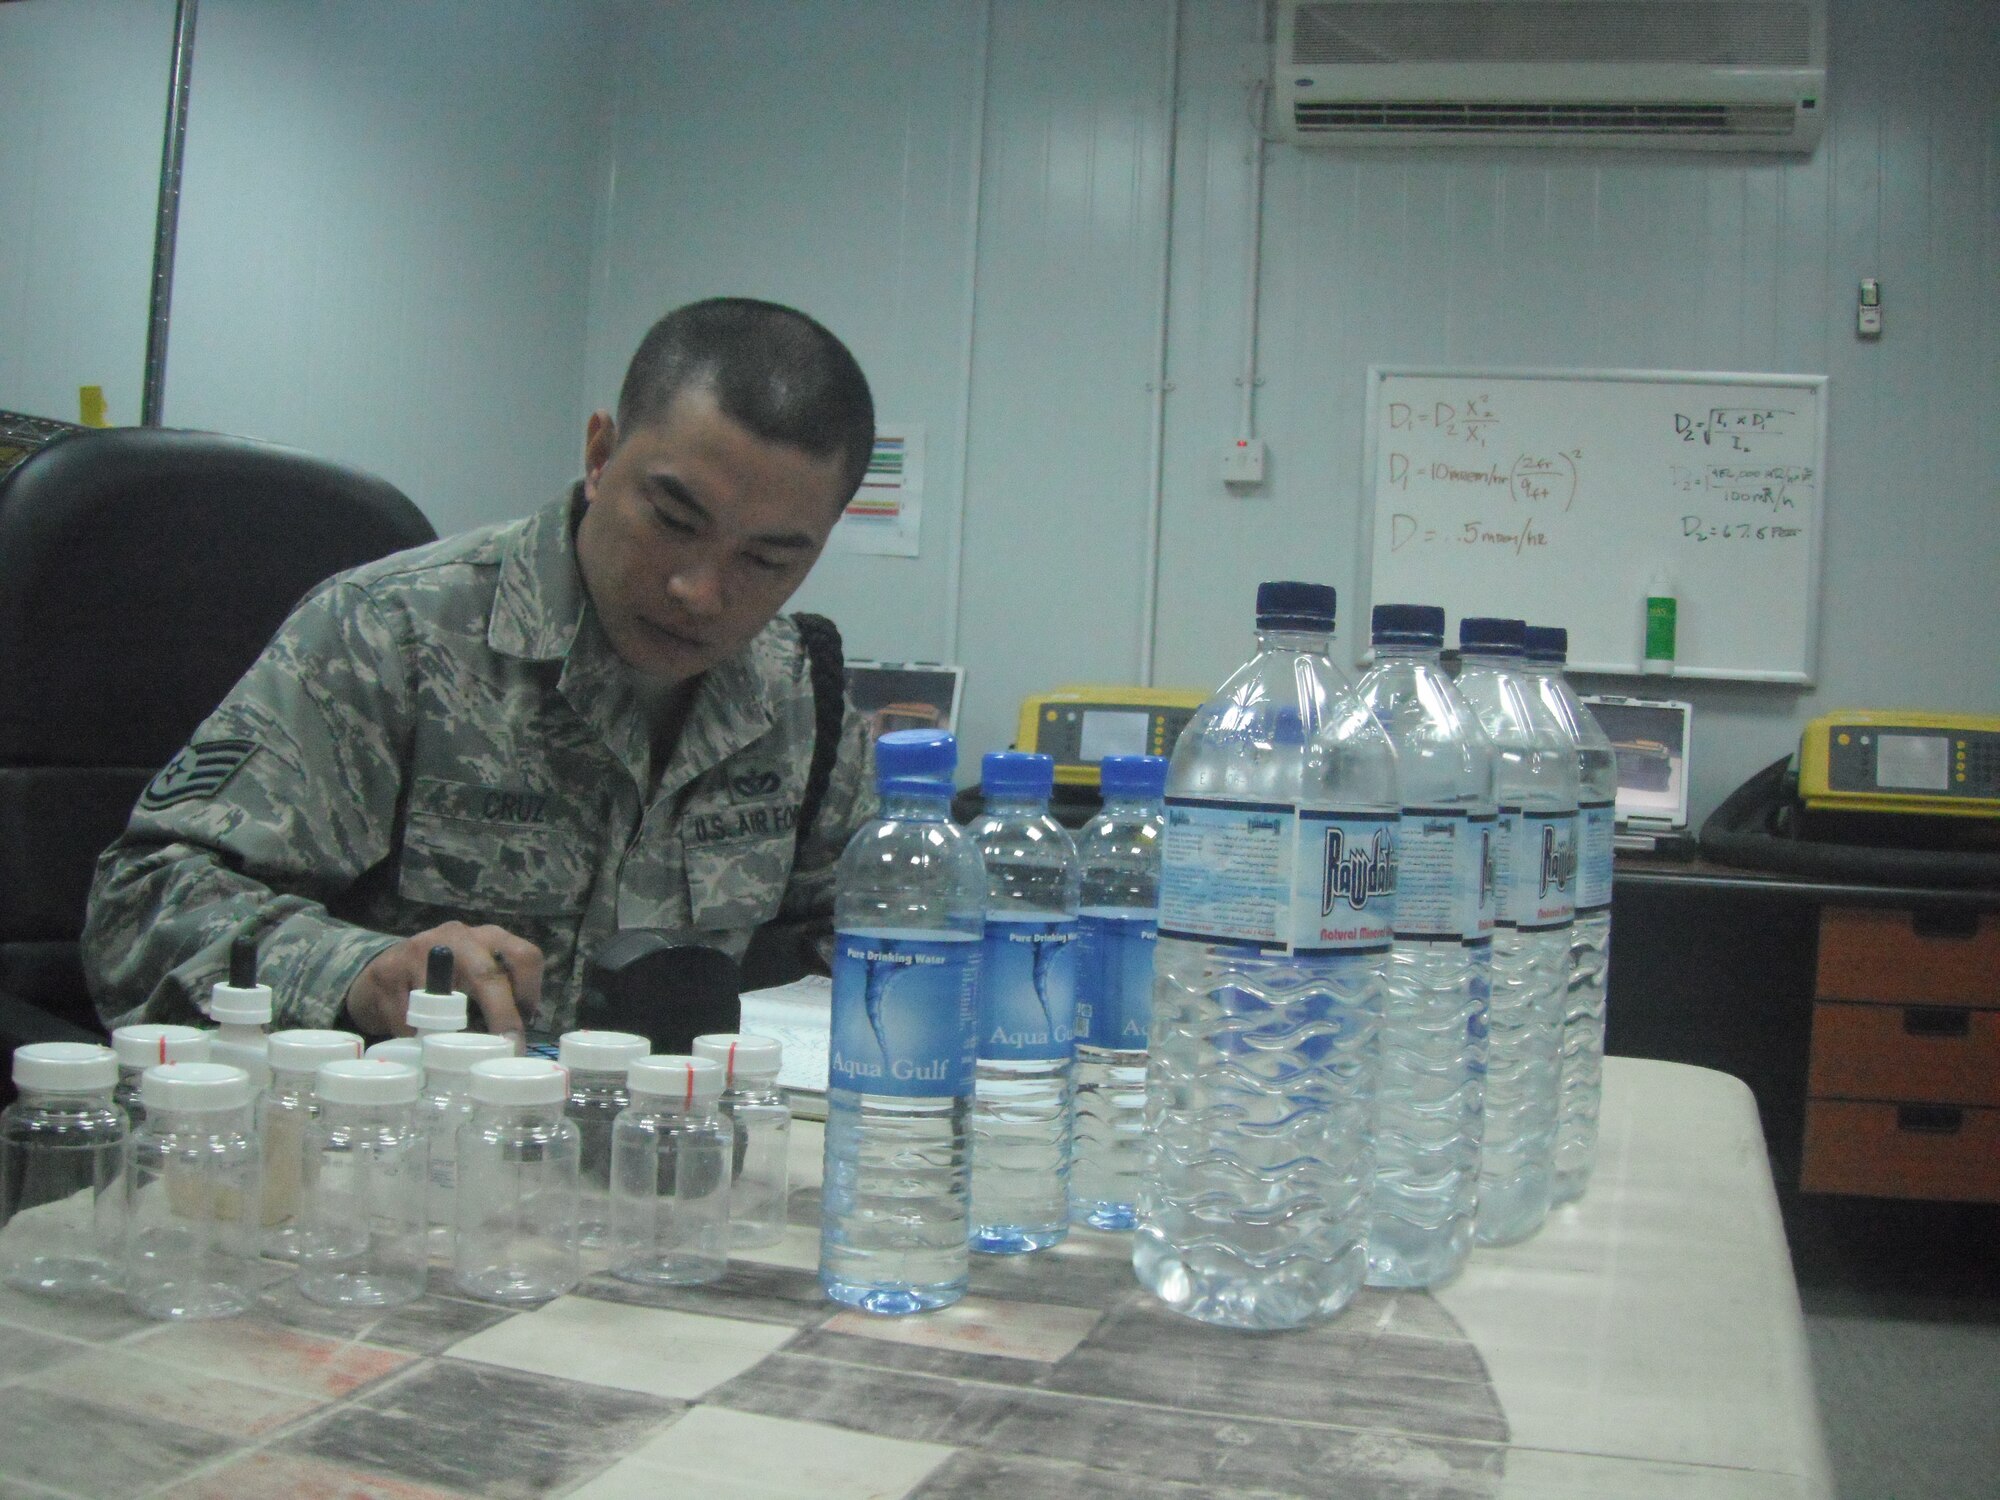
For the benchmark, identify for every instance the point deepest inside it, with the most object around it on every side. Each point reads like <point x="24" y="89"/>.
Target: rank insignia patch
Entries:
<point x="198" y="771"/>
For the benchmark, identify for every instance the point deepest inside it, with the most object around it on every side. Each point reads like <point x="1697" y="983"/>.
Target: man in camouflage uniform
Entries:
<point x="519" y="741"/>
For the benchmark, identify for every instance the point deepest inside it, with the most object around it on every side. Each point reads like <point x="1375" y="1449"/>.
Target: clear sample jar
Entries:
<point x="407" y="1050"/>
<point x="445" y="1104"/>
<point x="192" y="1236"/>
<point x="597" y="1061"/>
<point x="62" y="1171"/>
<point x="284" y="1111"/>
<point x="760" y="1184"/>
<point x="670" y="1168"/>
<point x="140" y="1047"/>
<point x="367" y="1171"/>
<point x="515" y="1237"/>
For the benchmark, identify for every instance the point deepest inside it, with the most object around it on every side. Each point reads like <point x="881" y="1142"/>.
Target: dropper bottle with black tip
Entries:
<point x="435" y="1010"/>
<point x="241" y="1010"/>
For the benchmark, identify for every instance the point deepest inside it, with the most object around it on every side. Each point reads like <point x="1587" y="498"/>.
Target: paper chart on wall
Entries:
<point x="886" y="513"/>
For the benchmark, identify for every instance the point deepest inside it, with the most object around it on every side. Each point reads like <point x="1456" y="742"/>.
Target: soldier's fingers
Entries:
<point x="523" y="962"/>
<point x="484" y="977"/>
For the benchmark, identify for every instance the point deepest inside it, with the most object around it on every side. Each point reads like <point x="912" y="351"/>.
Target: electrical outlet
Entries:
<point x="1243" y="462"/>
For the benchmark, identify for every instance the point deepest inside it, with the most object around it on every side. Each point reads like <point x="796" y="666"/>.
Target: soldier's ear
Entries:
<point x="600" y="440"/>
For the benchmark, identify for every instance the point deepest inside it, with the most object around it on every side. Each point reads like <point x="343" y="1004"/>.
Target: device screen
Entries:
<point x="1112" y="732"/>
<point x="1917" y="761"/>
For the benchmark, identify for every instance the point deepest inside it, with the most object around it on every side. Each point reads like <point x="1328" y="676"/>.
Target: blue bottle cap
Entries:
<point x="1407" y="625"/>
<point x="1547" y="643"/>
<point x="1486" y="635"/>
<point x="1017" y="773"/>
<point x="1295" y="606"/>
<point x="1133" y="775"/>
<point x="915" y="760"/>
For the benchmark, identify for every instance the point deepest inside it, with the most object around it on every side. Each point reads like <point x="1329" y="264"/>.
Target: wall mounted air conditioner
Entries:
<point x="1730" y="75"/>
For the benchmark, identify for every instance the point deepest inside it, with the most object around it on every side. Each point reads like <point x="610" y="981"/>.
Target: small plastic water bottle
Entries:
<point x="1118" y="861"/>
<point x="670" y="1160"/>
<point x="285" y="1111"/>
<point x="140" y="1047"/>
<point x="191" y="1245"/>
<point x="367" y="1169"/>
<point x="760" y="1188"/>
<point x="1590" y="940"/>
<point x="597" y="1061"/>
<point x="1535" y="781"/>
<point x="444" y="1104"/>
<point x="1277" y="911"/>
<point x="1428" y="1107"/>
<point x="241" y="1010"/>
<point x="62" y="1171"/>
<point x="909" y="911"/>
<point x="1022" y="1113"/>
<point x="516" y="1239"/>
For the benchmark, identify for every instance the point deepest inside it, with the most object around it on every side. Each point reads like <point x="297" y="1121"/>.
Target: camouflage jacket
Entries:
<point x="446" y="734"/>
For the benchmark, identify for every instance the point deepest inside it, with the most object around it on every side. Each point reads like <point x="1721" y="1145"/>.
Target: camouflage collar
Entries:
<point x="538" y="602"/>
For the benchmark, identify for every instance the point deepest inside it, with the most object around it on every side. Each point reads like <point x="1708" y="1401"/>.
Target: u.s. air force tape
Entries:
<point x="201" y="770"/>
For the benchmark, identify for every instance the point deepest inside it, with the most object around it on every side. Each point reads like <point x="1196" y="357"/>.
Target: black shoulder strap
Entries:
<point x="821" y="639"/>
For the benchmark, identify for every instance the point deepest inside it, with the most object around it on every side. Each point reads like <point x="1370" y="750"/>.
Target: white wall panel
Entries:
<point x="385" y="239"/>
<point x="822" y="156"/>
<point x="83" y="94"/>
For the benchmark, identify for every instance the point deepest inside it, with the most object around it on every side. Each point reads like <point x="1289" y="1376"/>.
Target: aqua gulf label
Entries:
<point x="1444" y="876"/>
<point x="1027" y="989"/>
<point x="1114" y="979"/>
<point x="1541" y="870"/>
<point x="1273" y="877"/>
<point x="905" y="1013"/>
<point x="1596" y="822"/>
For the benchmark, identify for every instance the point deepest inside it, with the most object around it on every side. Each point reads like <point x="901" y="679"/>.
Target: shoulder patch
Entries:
<point x="201" y="770"/>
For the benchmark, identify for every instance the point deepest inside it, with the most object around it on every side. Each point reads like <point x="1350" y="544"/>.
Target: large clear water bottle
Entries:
<point x="1590" y="939"/>
<point x="1428" y="1106"/>
<point x="1277" y="897"/>
<point x="1118" y="859"/>
<point x="1022" y="1113"/>
<point x="909" y="911"/>
<point x="1536" y="875"/>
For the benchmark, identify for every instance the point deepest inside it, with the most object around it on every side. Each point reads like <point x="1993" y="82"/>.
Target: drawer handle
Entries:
<point x="1930" y="1119"/>
<point x="1936" y="1021"/>
<point x="1945" y="922"/>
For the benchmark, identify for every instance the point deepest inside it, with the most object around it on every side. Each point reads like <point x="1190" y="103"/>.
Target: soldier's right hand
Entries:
<point x="499" y="972"/>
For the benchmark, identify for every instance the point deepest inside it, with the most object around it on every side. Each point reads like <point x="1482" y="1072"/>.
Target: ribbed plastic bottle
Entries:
<point x="1536" y="876"/>
<point x="1277" y="896"/>
<point x="1590" y="940"/>
<point x="909" y="912"/>
<point x="1022" y="1115"/>
<point x="1118" y="861"/>
<point x="1428" y="1106"/>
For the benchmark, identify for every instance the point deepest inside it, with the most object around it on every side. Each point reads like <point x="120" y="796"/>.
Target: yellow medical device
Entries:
<point x="1078" y="724"/>
<point x="1893" y="761"/>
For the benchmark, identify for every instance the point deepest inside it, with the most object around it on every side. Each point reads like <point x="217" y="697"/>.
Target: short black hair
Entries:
<point x="779" y="373"/>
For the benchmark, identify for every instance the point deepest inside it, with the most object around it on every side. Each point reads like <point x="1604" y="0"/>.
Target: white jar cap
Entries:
<point x="142" y="1046"/>
<point x="741" y="1055"/>
<point x="518" y="1080"/>
<point x="687" y="1080"/>
<point x="229" y="1006"/>
<point x="457" y="1051"/>
<point x="65" y="1067"/>
<point x="302" y="1051"/>
<point x="407" y="1050"/>
<point x="197" y="1086"/>
<point x="432" y="1010"/>
<point x="601" y="1051"/>
<point x="366" y="1080"/>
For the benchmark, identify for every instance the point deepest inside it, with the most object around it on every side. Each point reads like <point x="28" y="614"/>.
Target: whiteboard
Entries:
<point x="1555" y="495"/>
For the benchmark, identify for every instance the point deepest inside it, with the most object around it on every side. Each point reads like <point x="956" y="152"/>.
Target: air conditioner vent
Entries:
<point x="1565" y="118"/>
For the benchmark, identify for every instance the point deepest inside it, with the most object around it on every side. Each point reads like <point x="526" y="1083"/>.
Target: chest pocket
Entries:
<point x="738" y="861"/>
<point x="473" y="865"/>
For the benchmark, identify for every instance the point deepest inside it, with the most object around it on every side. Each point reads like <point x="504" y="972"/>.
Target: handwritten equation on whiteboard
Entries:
<point x="1454" y="480"/>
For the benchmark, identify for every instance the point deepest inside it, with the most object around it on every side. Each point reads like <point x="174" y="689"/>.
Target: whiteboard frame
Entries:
<point x="1817" y="384"/>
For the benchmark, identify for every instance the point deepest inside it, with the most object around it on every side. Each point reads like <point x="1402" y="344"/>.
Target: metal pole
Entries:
<point x="169" y="212"/>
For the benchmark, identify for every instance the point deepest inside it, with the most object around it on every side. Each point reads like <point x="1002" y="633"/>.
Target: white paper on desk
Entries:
<point x="800" y="1016"/>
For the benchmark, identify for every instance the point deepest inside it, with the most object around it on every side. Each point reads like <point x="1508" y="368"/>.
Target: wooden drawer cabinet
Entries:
<point x="1904" y="1082"/>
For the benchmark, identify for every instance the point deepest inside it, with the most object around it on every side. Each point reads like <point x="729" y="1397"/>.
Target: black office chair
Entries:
<point x="141" y="571"/>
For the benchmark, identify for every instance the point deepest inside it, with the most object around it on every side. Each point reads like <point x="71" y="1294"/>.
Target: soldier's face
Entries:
<point x="695" y="533"/>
